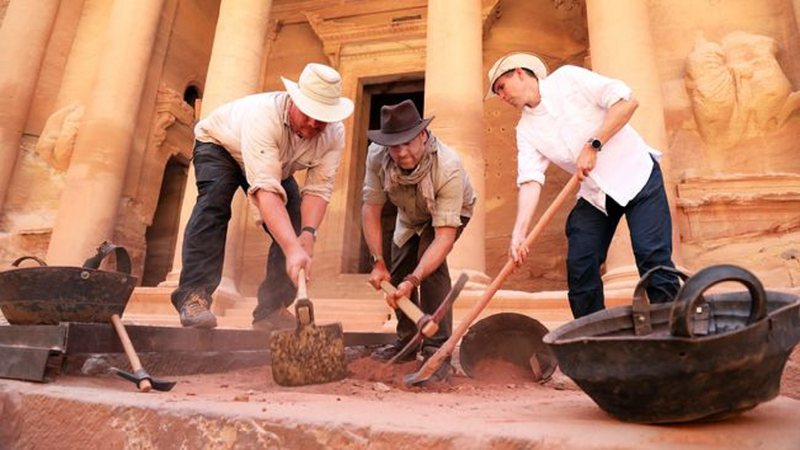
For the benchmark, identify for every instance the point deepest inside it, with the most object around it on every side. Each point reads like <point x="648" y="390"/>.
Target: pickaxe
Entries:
<point x="434" y="362"/>
<point x="427" y="324"/>
<point x="140" y="377"/>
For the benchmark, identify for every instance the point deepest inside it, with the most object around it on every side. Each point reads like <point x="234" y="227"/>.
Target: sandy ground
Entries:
<point x="370" y="379"/>
<point x="367" y="378"/>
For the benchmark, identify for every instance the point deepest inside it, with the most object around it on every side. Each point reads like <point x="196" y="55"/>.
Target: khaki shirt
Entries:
<point x="255" y="131"/>
<point x="452" y="191"/>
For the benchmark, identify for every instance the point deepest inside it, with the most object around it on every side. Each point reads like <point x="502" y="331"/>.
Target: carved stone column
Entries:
<point x="234" y="71"/>
<point x="96" y="175"/>
<point x="621" y="46"/>
<point x="24" y="34"/>
<point x="454" y="94"/>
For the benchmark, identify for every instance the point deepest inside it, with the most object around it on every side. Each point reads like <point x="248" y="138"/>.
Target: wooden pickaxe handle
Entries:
<point x="434" y="362"/>
<point x="429" y="327"/>
<point x="144" y="385"/>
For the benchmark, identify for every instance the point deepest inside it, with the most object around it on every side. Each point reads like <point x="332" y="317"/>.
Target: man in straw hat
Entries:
<point x="578" y="120"/>
<point x="256" y="143"/>
<point x="409" y="167"/>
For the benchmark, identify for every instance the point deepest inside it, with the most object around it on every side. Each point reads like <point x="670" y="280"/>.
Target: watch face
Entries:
<point x="596" y="143"/>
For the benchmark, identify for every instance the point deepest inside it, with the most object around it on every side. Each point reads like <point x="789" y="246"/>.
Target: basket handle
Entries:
<point x="691" y="293"/>
<point x="640" y="307"/>
<point x="17" y="261"/>
<point x="123" y="259"/>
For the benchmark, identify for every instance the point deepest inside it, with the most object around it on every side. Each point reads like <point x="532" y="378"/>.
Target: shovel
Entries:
<point x="309" y="354"/>
<point x="434" y="362"/>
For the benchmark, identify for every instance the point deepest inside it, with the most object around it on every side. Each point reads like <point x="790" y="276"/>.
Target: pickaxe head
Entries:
<point x="139" y="378"/>
<point x="432" y="319"/>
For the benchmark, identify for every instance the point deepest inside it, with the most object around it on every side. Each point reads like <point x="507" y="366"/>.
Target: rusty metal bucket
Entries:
<point x="511" y="337"/>
<point x="47" y="295"/>
<point x="705" y="357"/>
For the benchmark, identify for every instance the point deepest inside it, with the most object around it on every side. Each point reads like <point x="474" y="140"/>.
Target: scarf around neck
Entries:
<point x="421" y="175"/>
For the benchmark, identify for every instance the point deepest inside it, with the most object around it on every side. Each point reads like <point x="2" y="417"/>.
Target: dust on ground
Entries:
<point x="369" y="379"/>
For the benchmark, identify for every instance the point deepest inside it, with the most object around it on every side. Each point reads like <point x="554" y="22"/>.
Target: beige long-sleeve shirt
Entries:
<point x="453" y="193"/>
<point x="255" y="131"/>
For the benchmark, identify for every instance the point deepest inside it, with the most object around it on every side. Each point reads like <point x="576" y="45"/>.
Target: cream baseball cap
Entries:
<point x="318" y="93"/>
<point x="512" y="61"/>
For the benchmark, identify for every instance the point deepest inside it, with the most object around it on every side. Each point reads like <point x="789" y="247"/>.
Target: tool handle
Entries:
<point x="411" y="310"/>
<point x="144" y="385"/>
<point x="302" y="290"/>
<point x="434" y="362"/>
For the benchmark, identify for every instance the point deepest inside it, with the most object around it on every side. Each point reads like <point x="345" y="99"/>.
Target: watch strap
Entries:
<point x="311" y="230"/>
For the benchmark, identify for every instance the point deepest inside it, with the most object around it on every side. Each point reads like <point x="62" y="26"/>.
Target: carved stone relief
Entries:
<point x="737" y="88"/>
<point x="57" y="140"/>
<point x="170" y="134"/>
<point x="404" y="33"/>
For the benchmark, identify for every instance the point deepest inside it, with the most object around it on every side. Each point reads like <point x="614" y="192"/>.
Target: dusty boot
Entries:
<point x="444" y="371"/>
<point x="389" y="351"/>
<point x="280" y="319"/>
<point x="195" y="313"/>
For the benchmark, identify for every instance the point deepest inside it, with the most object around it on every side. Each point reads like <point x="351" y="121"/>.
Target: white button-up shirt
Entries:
<point x="574" y="102"/>
<point x="255" y="131"/>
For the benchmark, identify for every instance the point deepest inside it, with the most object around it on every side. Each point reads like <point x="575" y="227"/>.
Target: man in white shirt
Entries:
<point x="257" y="143"/>
<point x="578" y="120"/>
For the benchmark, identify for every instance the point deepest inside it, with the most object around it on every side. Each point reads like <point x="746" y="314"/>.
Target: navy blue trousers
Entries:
<point x="589" y="234"/>
<point x="218" y="177"/>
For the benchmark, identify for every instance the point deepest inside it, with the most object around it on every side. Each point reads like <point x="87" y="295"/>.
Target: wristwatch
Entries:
<point x="596" y="144"/>
<point x="376" y="259"/>
<point x="311" y="230"/>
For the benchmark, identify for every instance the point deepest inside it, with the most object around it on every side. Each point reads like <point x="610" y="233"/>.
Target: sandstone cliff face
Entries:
<point x="730" y="105"/>
<point x="729" y="78"/>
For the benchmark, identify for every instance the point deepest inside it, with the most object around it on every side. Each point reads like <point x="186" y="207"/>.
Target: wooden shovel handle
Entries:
<point x="302" y="290"/>
<point x="446" y="350"/>
<point x="144" y="385"/>
<point x="411" y="310"/>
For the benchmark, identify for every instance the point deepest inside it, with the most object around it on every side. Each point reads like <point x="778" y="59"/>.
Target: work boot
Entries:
<point x="195" y="313"/>
<point x="444" y="371"/>
<point x="280" y="319"/>
<point x="387" y="352"/>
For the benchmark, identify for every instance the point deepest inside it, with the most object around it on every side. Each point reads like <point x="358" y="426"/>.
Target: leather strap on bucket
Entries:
<point x="123" y="259"/>
<point x="640" y="308"/>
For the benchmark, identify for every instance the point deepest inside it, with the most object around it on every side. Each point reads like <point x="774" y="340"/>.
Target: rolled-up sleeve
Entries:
<point x="449" y="201"/>
<point x="372" y="192"/>
<point x="601" y="90"/>
<point x="531" y="164"/>
<point x="321" y="177"/>
<point x="261" y="156"/>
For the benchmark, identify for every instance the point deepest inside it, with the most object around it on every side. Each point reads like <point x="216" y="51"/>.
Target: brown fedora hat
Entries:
<point x="399" y="124"/>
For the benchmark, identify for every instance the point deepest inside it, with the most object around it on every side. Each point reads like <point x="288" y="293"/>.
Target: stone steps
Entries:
<point x="362" y="313"/>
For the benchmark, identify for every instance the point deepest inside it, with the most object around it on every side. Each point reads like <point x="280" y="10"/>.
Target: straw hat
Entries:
<point x="318" y="93"/>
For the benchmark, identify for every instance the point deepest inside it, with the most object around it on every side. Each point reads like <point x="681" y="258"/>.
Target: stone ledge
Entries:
<point x="89" y="414"/>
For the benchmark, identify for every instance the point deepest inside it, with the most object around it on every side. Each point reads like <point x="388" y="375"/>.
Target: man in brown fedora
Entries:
<point x="409" y="167"/>
<point x="256" y="143"/>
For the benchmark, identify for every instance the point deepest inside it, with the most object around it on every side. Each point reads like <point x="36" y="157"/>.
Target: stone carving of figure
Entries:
<point x="57" y="140"/>
<point x="737" y="88"/>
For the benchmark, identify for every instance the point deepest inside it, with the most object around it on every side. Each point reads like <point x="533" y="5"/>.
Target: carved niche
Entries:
<point x="737" y="88"/>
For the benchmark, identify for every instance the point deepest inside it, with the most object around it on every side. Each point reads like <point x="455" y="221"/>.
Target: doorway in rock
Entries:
<point x="356" y="258"/>
<point x="162" y="234"/>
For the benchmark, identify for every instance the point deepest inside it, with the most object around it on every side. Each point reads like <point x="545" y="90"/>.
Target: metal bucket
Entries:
<point x="47" y="295"/>
<point x="703" y="358"/>
<point x="510" y="337"/>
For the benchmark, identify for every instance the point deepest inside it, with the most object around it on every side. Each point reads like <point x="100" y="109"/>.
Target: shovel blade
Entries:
<point x="310" y="354"/>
